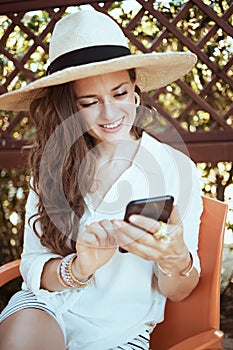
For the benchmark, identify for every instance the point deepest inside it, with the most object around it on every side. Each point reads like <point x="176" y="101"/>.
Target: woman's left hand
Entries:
<point x="142" y="237"/>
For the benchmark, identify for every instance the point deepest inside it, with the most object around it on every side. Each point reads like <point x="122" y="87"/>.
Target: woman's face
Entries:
<point x="107" y="105"/>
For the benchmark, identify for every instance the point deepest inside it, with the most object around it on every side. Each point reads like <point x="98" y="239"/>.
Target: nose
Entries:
<point x="109" y="110"/>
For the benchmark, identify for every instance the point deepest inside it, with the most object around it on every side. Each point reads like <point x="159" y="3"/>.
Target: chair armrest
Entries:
<point x="201" y="341"/>
<point x="9" y="271"/>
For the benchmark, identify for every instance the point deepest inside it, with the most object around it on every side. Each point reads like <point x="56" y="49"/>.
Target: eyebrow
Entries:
<point x="113" y="89"/>
<point x="118" y="86"/>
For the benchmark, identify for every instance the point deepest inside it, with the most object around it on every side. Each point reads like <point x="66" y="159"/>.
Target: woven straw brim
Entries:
<point x="153" y="71"/>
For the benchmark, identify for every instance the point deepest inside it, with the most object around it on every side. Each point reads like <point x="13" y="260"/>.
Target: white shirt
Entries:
<point x="123" y="300"/>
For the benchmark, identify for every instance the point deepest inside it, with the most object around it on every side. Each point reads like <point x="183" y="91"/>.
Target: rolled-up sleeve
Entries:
<point x="181" y="181"/>
<point x="192" y="218"/>
<point x="34" y="255"/>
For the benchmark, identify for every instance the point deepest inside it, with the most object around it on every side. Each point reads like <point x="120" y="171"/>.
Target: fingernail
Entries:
<point x="133" y="218"/>
<point x="118" y="223"/>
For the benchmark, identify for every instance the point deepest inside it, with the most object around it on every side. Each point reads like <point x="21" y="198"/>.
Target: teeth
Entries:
<point x="113" y="125"/>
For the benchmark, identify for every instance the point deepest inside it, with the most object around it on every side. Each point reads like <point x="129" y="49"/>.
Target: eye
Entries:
<point x="87" y="104"/>
<point x="121" y="94"/>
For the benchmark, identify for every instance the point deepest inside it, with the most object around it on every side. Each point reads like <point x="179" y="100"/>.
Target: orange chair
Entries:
<point x="192" y="324"/>
<point x="9" y="271"/>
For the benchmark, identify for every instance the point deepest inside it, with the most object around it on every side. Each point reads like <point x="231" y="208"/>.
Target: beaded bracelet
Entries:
<point x="60" y="279"/>
<point x="74" y="280"/>
<point x="65" y="275"/>
<point x="183" y="273"/>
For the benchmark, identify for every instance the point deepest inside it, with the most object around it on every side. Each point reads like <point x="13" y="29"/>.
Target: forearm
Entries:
<point x="177" y="281"/>
<point x="52" y="279"/>
<point x="177" y="287"/>
<point x="49" y="277"/>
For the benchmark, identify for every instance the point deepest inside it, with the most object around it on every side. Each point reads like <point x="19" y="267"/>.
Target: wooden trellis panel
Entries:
<point x="211" y="140"/>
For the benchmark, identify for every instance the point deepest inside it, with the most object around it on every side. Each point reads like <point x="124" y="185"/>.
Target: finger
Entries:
<point x="104" y="232"/>
<point x="148" y="224"/>
<point x="147" y="252"/>
<point x="87" y="239"/>
<point x="139" y="242"/>
<point x="110" y="233"/>
<point x="128" y="233"/>
<point x="162" y="232"/>
<point x="101" y="235"/>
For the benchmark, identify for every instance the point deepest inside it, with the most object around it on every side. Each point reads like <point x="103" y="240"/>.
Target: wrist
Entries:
<point x="183" y="272"/>
<point x="65" y="274"/>
<point x="76" y="270"/>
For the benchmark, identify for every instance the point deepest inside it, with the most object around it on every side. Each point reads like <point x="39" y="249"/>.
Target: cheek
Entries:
<point x="129" y="105"/>
<point x="131" y="110"/>
<point x="88" y="118"/>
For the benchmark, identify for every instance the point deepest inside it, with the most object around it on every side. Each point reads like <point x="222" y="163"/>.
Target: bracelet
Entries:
<point x="65" y="275"/>
<point x="74" y="280"/>
<point x="60" y="279"/>
<point x="183" y="273"/>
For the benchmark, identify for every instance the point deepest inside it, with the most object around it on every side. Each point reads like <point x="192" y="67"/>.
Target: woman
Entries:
<point x="90" y="158"/>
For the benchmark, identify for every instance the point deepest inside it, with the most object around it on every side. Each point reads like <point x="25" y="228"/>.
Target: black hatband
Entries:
<point x="91" y="54"/>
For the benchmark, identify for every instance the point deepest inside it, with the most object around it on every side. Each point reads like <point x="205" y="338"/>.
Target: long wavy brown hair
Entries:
<point x="59" y="223"/>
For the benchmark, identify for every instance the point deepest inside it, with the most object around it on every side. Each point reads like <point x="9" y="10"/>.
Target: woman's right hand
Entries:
<point x="94" y="247"/>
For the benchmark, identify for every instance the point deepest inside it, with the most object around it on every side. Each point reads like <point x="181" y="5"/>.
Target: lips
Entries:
<point x="112" y="126"/>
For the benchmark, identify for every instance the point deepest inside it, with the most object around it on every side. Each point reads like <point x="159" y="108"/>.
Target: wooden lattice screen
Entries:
<point x="203" y="123"/>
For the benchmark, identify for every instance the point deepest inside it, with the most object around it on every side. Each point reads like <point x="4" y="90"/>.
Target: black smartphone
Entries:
<point x="158" y="208"/>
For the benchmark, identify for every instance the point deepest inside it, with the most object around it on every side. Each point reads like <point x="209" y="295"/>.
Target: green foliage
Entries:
<point x="215" y="178"/>
<point x="194" y="25"/>
<point x="23" y="129"/>
<point x="13" y="194"/>
<point x="20" y="42"/>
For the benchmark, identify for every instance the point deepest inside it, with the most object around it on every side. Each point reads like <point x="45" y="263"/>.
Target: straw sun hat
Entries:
<point x="89" y="43"/>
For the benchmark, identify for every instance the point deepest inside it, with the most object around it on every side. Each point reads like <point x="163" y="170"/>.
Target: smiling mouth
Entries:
<point x="112" y="125"/>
